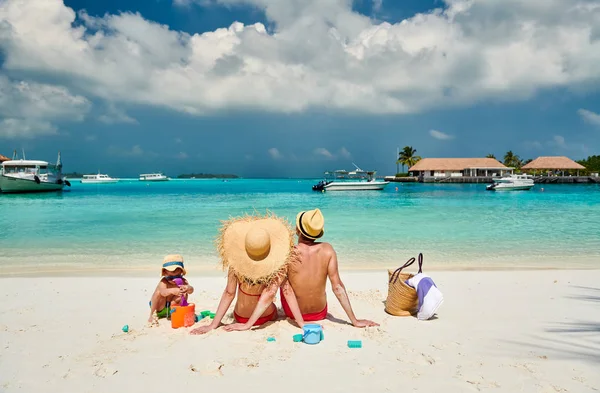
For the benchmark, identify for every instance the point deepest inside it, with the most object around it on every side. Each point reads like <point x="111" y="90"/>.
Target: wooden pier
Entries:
<point x="489" y="179"/>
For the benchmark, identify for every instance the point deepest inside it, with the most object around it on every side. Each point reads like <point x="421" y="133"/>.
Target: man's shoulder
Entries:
<point x="324" y="246"/>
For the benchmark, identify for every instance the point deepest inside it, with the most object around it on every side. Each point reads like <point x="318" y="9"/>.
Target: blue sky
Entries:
<point x="132" y="86"/>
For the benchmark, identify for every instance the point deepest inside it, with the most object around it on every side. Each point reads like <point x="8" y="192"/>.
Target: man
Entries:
<point x="307" y="278"/>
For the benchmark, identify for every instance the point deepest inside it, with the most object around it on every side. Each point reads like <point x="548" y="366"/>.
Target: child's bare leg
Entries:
<point x="157" y="302"/>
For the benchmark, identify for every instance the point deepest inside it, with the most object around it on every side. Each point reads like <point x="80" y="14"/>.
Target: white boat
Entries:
<point x="98" y="179"/>
<point x="513" y="182"/>
<point x="153" y="177"/>
<point x="357" y="180"/>
<point x="31" y="176"/>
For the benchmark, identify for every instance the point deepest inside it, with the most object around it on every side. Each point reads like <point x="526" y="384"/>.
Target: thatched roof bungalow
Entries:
<point x="560" y="163"/>
<point x="457" y="167"/>
<point x="4" y="158"/>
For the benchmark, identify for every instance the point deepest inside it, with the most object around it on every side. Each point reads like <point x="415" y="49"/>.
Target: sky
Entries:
<point x="292" y="88"/>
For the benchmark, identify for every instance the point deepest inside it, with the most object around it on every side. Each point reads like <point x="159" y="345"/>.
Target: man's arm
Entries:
<point x="340" y="291"/>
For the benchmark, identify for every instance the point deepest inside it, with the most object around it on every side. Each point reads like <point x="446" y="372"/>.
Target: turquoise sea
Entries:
<point x="133" y="224"/>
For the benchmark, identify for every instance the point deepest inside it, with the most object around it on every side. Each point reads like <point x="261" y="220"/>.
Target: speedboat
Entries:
<point x="357" y="180"/>
<point x="153" y="177"/>
<point x="513" y="182"/>
<point x="31" y="176"/>
<point x="98" y="179"/>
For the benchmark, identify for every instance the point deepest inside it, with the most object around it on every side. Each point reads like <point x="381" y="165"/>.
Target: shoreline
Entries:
<point x="206" y="271"/>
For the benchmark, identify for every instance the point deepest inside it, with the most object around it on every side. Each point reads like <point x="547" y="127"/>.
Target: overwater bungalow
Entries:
<point x="459" y="167"/>
<point x="551" y="165"/>
<point x="4" y="158"/>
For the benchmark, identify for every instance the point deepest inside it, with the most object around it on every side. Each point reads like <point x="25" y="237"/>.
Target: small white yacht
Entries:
<point x="513" y="182"/>
<point x="153" y="177"/>
<point x="23" y="175"/>
<point x="357" y="180"/>
<point x="98" y="179"/>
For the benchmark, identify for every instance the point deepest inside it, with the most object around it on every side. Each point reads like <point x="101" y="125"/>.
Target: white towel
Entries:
<point x="430" y="297"/>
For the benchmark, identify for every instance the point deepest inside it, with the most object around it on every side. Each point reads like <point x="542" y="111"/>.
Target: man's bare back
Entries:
<point x="307" y="278"/>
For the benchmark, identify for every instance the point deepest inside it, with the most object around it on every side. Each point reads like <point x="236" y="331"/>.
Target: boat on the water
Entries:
<point x="514" y="182"/>
<point x="98" y="179"/>
<point x="153" y="177"/>
<point x="357" y="180"/>
<point x="19" y="176"/>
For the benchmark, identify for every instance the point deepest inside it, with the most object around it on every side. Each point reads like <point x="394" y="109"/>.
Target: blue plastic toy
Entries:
<point x="270" y="339"/>
<point x="313" y="333"/>
<point x="125" y="328"/>
<point x="354" y="344"/>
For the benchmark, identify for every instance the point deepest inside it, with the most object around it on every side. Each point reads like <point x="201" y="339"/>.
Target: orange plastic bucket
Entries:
<point x="183" y="316"/>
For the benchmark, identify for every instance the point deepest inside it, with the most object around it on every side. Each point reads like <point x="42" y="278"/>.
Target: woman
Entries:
<point x="257" y="251"/>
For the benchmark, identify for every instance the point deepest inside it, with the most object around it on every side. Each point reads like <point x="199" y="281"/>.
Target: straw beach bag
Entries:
<point x="402" y="299"/>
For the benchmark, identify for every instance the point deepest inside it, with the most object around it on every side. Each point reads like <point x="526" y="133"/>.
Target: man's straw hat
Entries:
<point x="311" y="223"/>
<point x="256" y="248"/>
<point x="172" y="262"/>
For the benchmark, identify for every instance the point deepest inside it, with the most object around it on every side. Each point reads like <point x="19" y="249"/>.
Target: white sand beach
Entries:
<point x="500" y="331"/>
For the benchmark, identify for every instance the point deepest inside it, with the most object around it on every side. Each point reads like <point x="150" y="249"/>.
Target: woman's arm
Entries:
<point x="290" y="297"/>
<point x="266" y="298"/>
<point x="226" y="299"/>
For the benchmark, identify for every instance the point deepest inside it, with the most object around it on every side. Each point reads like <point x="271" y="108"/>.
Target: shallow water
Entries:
<point x="134" y="224"/>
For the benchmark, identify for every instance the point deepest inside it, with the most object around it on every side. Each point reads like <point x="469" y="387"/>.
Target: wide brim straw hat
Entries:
<point x="256" y="248"/>
<point x="172" y="262"/>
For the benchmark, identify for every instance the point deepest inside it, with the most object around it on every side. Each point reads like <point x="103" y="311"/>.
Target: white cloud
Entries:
<point x="321" y="55"/>
<point x="559" y="140"/>
<point x="377" y="4"/>
<point x="274" y="153"/>
<point x="344" y="153"/>
<point x="116" y="115"/>
<point x="322" y="152"/>
<point x="182" y="155"/>
<point x="178" y="140"/>
<point x="28" y="109"/>
<point x="440" y="135"/>
<point x="135" y="151"/>
<point x="589" y="116"/>
<point x="560" y="145"/>
<point x="12" y="128"/>
<point x="91" y="138"/>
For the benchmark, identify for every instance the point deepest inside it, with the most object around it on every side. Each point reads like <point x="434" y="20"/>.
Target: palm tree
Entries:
<point x="512" y="160"/>
<point x="407" y="157"/>
<point x="491" y="156"/>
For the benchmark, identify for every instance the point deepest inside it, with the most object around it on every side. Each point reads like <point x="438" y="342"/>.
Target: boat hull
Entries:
<point x="355" y="186"/>
<point x="510" y="188"/>
<point x="99" y="181"/>
<point x="153" y="180"/>
<point x="16" y="185"/>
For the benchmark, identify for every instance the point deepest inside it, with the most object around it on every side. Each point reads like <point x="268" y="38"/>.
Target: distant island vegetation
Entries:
<point x="76" y="175"/>
<point x="207" y="176"/>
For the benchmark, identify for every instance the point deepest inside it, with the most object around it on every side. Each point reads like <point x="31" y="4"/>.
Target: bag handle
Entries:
<point x="396" y="274"/>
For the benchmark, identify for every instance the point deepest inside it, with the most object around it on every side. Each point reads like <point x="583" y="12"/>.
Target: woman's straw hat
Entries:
<point x="256" y="248"/>
<point x="172" y="262"/>
<point x="311" y="223"/>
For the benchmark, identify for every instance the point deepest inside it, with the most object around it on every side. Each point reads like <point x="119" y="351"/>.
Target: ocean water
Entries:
<point x="133" y="224"/>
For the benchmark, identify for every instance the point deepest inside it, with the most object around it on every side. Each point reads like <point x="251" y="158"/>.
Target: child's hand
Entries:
<point x="184" y="289"/>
